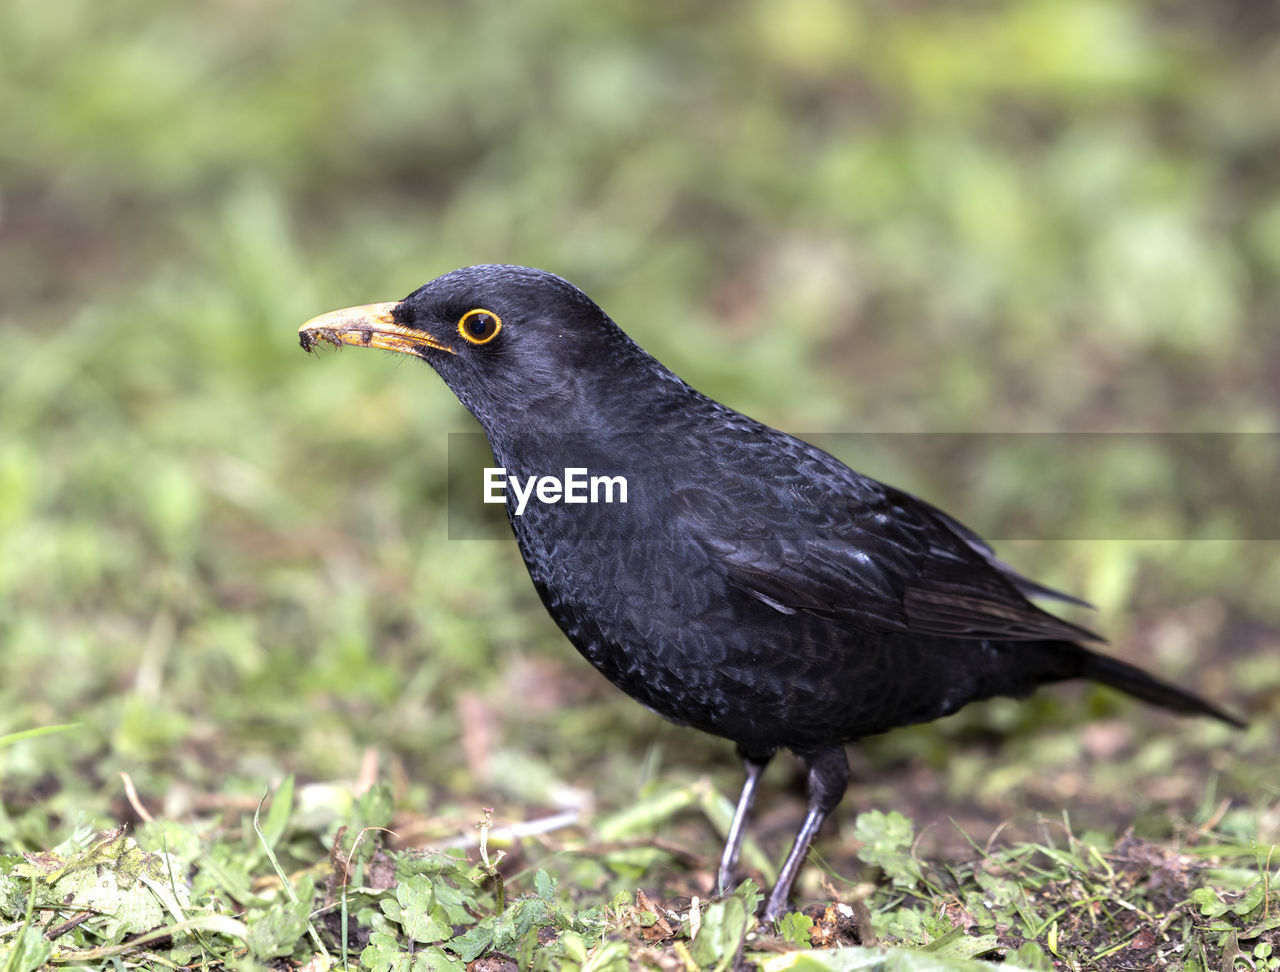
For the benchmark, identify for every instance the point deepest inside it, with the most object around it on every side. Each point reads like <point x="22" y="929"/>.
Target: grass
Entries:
<point x="229" y="566"/>
<point x="315" y="876"/>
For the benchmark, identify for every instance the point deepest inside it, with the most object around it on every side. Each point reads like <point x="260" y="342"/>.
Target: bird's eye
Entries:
<point x="479" y="326"/>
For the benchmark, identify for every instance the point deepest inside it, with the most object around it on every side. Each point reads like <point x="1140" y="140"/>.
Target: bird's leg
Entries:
<point x="828" y="778"/>
<point x="754" y="765"/>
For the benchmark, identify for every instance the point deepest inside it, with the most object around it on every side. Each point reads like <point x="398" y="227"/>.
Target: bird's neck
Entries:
<point x="594" y="414"/>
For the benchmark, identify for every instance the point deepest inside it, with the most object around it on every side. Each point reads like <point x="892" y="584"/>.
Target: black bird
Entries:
<point x="751" y="586"/>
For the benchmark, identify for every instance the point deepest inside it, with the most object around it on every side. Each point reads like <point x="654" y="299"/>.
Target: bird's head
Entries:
<point x="513" y="343"/>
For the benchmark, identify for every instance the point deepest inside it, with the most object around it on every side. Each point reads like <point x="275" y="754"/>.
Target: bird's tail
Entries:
<point x="1134" y="681"/>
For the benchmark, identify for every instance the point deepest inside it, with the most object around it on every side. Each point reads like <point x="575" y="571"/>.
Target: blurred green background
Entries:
<point x="229" y="560"/>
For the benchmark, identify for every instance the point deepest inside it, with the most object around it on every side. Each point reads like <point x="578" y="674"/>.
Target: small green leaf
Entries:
<point x="1251" y="900"/>
<point x="724" y="928"/>
<point x="28" y="952"/>
<point x="955" y="943"/>
<point x="1030" y="956"/>
<point x="273" y="828"/>
<point x="456" y="902"/>
<point x="545" y="885"/>
<point x="1210" y="905"/>
<point x="471" y="943"/>
<point x="422" y="919"/>
<point x="796" y="928"/>
<point x="274" y="932"/>
<point x="384" y="954"/>
<point x="374" y="807"/>
<point x="510" y="926"/>
<point x="571" y="946"/>
<point x="435" y="959"/>
<point x="886" y="840"/>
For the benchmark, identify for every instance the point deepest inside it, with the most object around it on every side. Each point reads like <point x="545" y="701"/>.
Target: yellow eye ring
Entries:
<point x="479" y="326"/>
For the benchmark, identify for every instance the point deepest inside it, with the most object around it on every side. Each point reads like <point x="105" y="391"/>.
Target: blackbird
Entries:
<point x="751" y="585"/>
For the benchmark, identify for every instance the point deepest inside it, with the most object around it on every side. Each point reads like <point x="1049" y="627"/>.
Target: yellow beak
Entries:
<point x="367" y="326"/>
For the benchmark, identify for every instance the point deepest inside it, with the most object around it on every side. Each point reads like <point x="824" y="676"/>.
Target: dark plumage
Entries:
<point x="752" y="586"/>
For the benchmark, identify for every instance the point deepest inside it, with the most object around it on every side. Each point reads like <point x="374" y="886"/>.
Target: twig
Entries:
<point x="131" y="793"/>
<point x="78" y="919"/>
<point x="491" y="867"/>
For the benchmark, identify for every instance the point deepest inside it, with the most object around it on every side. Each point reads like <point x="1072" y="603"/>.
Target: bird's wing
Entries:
<point x="1025" y="585"/>
<point x="874" y="557"/>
